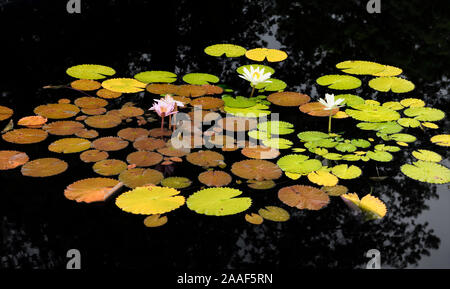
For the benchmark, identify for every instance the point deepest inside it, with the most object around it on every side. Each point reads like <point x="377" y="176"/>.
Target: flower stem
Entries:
<point x="329" y="123"/>
<point x="253" y="90"/>
<point x="162" y="121"/>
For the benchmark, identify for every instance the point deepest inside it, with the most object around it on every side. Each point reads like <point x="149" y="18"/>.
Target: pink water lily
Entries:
<point x="163" y="108"/>
<point x="169" y="99"/>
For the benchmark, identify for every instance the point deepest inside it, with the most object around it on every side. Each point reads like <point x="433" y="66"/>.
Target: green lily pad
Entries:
<point x="298" y="164"/>
<point x="274" y="85"/>
<point x="428" y="172"/>
<point x="238" y="101"/>
<point x="425" y="113"/>
<point x="395" y="105"/>
<point x="339" y="82"/>
<point x="332" y="156"/>
<point x="426" y="155"/>
<point x="395" y="84"/>
<point x="346" y="172"/>
<point x="352" y="158"/>
<point x="277" y="143"/>
<point x="218" y="202"/>
<point x="408" y="122"/>
<point x="382" y="147"/>
<point x="276" y="127"/>
<point x="325" y="143"/>
<point x="230" y="50"/>
<point x="200" y="78"/>
<point x="257" y="134"/>
<point x="362" y="143"/>
<point x="382" y="127"/>
<point x="308" y="136"/>
<point x="380" y="156"/>
<point x="346" y="147"/>
<point x="156" y="76"/>
<point x="402" y="137"/>
<point x="258" y="110"/>
<point x="90" y="71"/>
<point x="371" y="113"/>
<point x="350" y="99"/>
<point x="360" y="67"/>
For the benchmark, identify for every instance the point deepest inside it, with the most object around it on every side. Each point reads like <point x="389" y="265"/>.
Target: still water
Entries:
<point x="38" y="225"/>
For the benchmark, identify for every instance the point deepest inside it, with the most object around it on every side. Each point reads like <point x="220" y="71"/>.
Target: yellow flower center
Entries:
<point x="256" y="75"/>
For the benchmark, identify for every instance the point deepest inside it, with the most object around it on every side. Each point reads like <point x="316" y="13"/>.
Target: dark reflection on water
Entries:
<point x="38" y="225"/>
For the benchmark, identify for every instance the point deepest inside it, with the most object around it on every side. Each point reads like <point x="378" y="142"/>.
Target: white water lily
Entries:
<point x="330" y="103"/>
<point x="256" y="76"/>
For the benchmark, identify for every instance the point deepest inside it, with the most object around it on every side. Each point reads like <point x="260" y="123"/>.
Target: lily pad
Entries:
<point x="272" y="55"/>
<point x="230" y="50"/>
<point x="200" y="78"/>
<point x="150" y="200"/>
<point x="218" y="202"/>
<point x="346" y="172"/>
<point x="428" y="172"/>
<point x="339" y="82"/>
<point x="124" y="85"/>
<point x="382" y="127"/>
<point x="360" y="67"/>
<point x="303" y="197"/>
<point x="298" y="164"/>
<point x="380" y="156"/>
<point x="90" y="71"/>
<point x="156" y="76"/>
<point x="273" y="213"/>
<point x="395" y="84"/>
<point x="370" y="113"/>
<point x="425" y="113"/>
<point x="426" y="155"/>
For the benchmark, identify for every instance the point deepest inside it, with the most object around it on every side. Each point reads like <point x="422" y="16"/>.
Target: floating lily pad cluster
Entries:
<point x="95" y="128"/>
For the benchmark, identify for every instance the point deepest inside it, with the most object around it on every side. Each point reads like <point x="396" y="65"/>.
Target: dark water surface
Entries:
<point x="40" y="40"/>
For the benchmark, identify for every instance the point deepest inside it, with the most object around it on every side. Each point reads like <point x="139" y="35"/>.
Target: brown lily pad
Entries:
<point x="92" y="156"/>
<point x="148" y="144"/>
<point x="335" y="190"/>
<point x="259" y="170"/>
<point x="215" y="178"/>
<point x="158" y="88"/>
<point x="260" y="152"/>
<point x="44" y="167"/>
<point x="132" y="133"/>
<point x="25" y="135"/>
<point x="190" y="90"/>
<point x="103" y="121"/>
<point x="5" y="112"/>
<point x="208" y="102"/>
<point x="139" y="177"/>
<point x="131" y="111"/>
<point x="317" y="109"/>
<point x="90" y="102"/>
<point x="205" y="158"/>
<point x="110" y="143"/>
<point x="87" y="133"/>
<point x="144" y="158"/>
<point x="34" y="121"/>
<point x="213" y="89"/>
<point x="12" y="159"/>
<point x="94" y="110"/>
<point x="287" y="98"/>
<point x="65" y="127"/>
<point x="109" y="167"/>
<point x="303" y="197"/>
<point x="108" y="94"/>
<point x="57" y="110"/>
<point x="85" y="84"/>
<point x="91" y="190"/>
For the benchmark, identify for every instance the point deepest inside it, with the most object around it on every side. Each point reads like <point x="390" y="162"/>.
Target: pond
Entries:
<point x="39" y="224"/>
